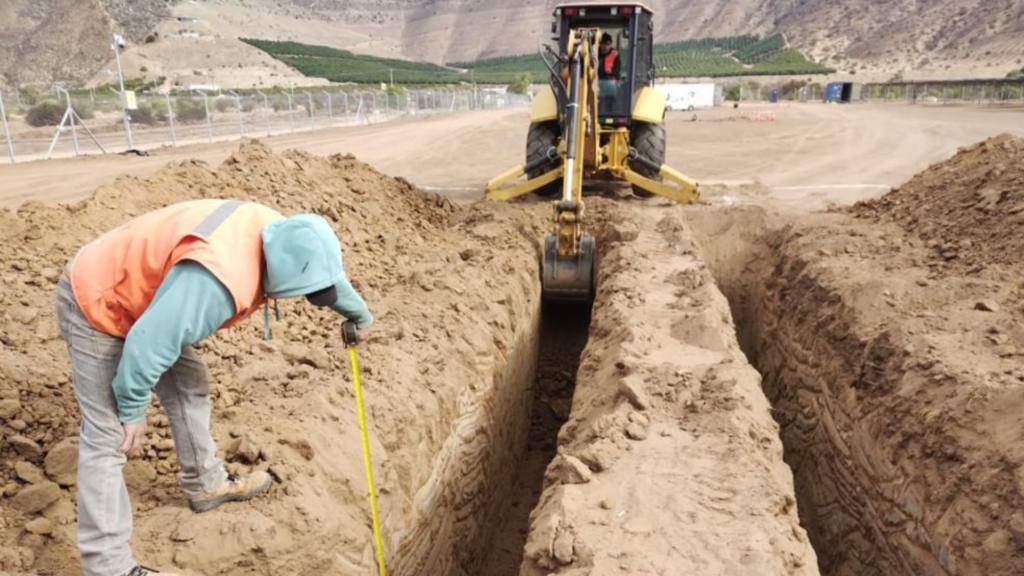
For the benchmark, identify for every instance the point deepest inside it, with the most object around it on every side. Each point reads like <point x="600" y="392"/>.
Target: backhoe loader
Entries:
<point x="597" y="120"/>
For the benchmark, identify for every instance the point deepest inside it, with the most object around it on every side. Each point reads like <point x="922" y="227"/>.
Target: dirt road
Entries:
<point x="812" y="154"/>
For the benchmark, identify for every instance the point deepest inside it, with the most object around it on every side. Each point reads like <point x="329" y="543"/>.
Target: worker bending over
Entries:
<point x="131" y="305"/>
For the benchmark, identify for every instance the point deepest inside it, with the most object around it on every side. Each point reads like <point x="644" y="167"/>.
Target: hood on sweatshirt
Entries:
<point x="302" y="255"/>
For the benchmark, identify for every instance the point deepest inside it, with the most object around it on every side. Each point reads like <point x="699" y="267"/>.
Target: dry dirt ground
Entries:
<point x="876" y="349"/>
<point x="802" y="156"/>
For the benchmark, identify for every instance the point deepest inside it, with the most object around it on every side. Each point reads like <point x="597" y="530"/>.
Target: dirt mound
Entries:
<point x="969" y="209"/>
<point x="429" y="271"/>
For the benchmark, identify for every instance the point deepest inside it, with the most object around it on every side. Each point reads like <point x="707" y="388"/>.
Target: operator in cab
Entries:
<point x="608" y="73"/>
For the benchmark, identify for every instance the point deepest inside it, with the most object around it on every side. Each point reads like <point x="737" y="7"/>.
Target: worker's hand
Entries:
<point x="133" y="436"/>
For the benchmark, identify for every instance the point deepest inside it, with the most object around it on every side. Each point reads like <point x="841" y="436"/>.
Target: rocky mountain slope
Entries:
<point x="45" y="41"/>
<point x="958" y="37"/>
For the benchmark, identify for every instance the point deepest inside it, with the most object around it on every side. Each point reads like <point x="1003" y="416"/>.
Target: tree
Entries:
<point x="521" y="85"/>
<point x="732" y="94"/>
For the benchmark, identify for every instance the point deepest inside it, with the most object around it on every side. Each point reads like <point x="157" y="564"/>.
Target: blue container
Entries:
<point x="773" y="96"/>
<point x="834" y="92"/>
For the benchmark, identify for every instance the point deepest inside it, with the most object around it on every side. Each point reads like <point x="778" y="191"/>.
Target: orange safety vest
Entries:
<point x="609" y="62"/>
<point x="115" y="276"/>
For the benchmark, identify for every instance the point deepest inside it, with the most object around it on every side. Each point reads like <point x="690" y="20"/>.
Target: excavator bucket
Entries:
<point x="568" y="278"/>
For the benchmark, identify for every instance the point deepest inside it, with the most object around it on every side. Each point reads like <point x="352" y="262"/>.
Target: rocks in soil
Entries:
<point x="244" y="448"/>
<point x="62" y="462"/>
<point x="40" y="526"/>
<point x="27" y="448"/>
<point x="987" y="306"/>
<point x="35" y="497"/>
<point x="9" y="408"/>
<point x="632" y="388"/>
<point x="636" y="431"/>
<point x="570" y="470"/>
<point x="968" y="209"/>
<point x="561" y="548"/>
<point x="29" y="472"/>
<point x="61" y="512"/>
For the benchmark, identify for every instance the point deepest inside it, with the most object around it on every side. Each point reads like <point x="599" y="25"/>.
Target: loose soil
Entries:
<point x="890" y="340"/>
<point x="878" y="349"/>
<point x="667" y="428"/>
<point x="456" y="295"/>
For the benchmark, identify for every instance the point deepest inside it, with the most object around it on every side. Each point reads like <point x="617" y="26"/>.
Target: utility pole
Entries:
<point x="391" y="72"/>
<point x="118" y="44"/>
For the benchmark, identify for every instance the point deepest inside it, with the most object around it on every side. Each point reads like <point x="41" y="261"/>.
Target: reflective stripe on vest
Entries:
<point x="115" y="277"/>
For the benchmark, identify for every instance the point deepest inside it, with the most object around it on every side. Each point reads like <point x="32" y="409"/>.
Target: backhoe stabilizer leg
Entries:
<point x="496" y="192"/>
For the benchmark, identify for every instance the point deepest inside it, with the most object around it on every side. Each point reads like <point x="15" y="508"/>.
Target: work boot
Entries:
<point x="235" y="489"/>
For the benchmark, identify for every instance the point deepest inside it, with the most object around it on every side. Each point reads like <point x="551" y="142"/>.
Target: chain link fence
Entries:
<point x="92" y="122"/>
<point x="981" y="93"/>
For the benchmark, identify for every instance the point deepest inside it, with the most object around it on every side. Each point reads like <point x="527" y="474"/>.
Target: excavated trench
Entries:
<point x="831" y="384"/>
<point x="673" y="430"/>
<point x="563" y="335"/>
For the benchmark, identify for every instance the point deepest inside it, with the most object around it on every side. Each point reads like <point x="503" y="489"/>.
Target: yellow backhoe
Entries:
<point x="599" y="119"/>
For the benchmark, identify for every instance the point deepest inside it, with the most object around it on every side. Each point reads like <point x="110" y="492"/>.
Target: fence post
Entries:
<point x="266" y="111"/>
<point x="7" y="129"/>
<point x="170" y="118"/>
<point x="238" y="106"/>
<point x="345" y="94"/>
<point x="291" y="112"/>
<point x="330" y="108"/>
<point x="312" y="120"/>
<point x="206" y="106"/>
<point x="71" y="117"/>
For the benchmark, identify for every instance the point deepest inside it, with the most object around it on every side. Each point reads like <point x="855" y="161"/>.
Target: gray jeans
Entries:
<point x="104" y="512"/>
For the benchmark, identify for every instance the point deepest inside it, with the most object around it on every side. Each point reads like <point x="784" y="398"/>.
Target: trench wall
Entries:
<point x="893" y="417"/>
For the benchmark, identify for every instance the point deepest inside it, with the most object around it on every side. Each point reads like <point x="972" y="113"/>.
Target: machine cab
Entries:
<point x="625" y="63"/>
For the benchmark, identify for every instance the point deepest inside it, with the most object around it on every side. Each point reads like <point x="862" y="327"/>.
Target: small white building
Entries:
<point x="691" y="96"/>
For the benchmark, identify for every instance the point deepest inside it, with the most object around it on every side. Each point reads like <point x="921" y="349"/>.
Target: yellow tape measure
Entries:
<point x="366" y="456"/>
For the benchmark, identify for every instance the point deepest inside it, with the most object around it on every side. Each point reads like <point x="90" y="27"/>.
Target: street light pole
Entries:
<point x="117" y="45"/>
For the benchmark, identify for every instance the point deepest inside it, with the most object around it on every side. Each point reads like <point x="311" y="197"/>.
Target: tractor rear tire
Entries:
<point x="541" y="138"/>
<point x="649" y="141"/>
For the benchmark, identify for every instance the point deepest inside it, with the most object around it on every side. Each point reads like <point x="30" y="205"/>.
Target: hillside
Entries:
<point x="918" y="37"/>
<point x="68" y="40"/>
<point x="705" y="57"/>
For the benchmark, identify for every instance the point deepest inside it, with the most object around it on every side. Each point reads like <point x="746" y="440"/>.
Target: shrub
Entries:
<point x="224" y="104"/>
<point x="145" y="115"/>
<point x="521" y="85"/>
<point x="46" y="113"/>
<point x="186" y="111"/>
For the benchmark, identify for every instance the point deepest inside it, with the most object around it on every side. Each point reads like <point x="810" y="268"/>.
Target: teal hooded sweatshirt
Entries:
<point x="302" y="255"/>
